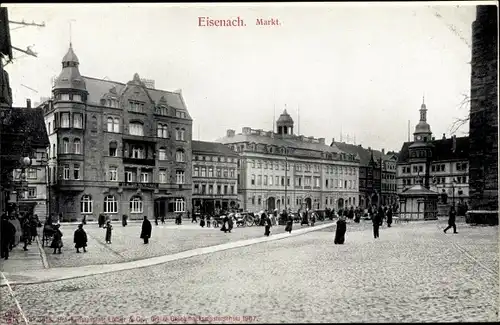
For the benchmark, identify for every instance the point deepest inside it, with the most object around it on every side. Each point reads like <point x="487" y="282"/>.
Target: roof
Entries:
<point x="363" y="153"/>
<point x="285" y="118"/>
<point x="418" y="190"/>
<point x="212" y="148"/>
<point x="279" y="142"/>
<point x="24" y="124"/>
<point x="5" y="44"/>
<point x="97" y="88"/>
<point x="70" y="56"/>
<point x="442" y="150"/>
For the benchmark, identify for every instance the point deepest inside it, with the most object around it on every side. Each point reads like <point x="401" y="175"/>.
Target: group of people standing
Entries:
<point x="18" y="228"/>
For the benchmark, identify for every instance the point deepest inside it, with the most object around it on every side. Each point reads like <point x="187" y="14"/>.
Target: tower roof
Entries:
<point x="70" y="55"/>
<point x="285" y="118"/>
<point x="70" y="77"/>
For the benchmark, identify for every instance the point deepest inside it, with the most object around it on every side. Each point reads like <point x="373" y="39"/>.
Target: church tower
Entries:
<point x="285" y="124"/>
<point x="421" y="149"/>
<point x="422" y="129"/>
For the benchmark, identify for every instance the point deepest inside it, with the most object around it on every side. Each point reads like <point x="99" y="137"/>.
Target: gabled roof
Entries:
<point x="23" y="131"/>
<point x="211" y="148"/>
<point x="418" y="190"/>
<point x="363" y="153"/>
<point x="97" y="88"/>
<point x="442" y="150"/>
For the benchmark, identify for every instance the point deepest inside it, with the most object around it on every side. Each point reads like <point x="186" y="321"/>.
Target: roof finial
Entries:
<point x="70" y="32"/>
<point x="423" y="99"/>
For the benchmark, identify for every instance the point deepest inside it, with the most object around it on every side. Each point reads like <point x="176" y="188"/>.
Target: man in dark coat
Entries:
<point x="230" y="222"/>
<point x="340" y="231"/>
<point x="57" y="242"/>
<point x="156" y="220"/>
<point x="305" y="219"/>
<point x="389" y="217"/>
<point x="7" y="236"/>
<point x="124" y="220"/>
<point x="146" y="230"/>
<point x="451" y="220"/>
<point x="376" y="220"/>
<point x="351" y="213"/>
<point x="267" y="224"/>
<point x="26" y="226"/>
<point x="162" y="219"/>
<point x="289" y="221"/>
<point x="80" y="239"/>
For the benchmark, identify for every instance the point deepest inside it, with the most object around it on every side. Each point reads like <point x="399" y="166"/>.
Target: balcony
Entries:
<point x="70" y="184"/>
<point x="138" y="161"/>
<point x="138" y="185"/>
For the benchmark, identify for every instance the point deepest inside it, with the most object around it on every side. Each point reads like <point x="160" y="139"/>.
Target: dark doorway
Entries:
<point x="271" y="203"/>
<point x="340" y="203"/>
<point x="308" y="203"/>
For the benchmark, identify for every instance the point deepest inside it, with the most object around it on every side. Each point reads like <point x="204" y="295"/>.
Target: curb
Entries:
<point x="59" y="274"/>
<point x="42" y="253"/>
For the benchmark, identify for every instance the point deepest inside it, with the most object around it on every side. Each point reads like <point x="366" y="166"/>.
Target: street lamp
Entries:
<point x="453" y="182"/>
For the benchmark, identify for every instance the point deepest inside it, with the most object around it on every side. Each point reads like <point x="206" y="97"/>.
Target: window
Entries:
<point x="162" y="154"/>
<point x="77" y="121"/>
<point x="77" y="146"/>
<point x="77" y="98"/>
<point x="180" y="176"/>
<point x="203" y="172"/>
<point x="49" y="129"/>
<point x="259" y="180"/>
<point x="461" y="166"/>
<point x="162" y="110"/>
<point x="210" y="172"/>
<point x="65" y="145"/>
<point x="113" y="124"/>
<point x="31" y="192"/>
<point x="253" y="163"/>
<point x="231" y="173"/>
<point x="66" y="172"/>
<point x="218" y="189"/>
<point x="180" y="156"/>
<point x="137" y="152"/>
<point x="180" y="205"/>
<point x="270" y="181"/>
<point x="265" y="179"/>
<point x="110" y="204"/>
<point x="252" y="181"/>
<point x="32" y="173"/>
<point x="162" y="176"/>
<point x="136" y="107"/>
<point x="129" y="176"/>
<point x="64" y="96"/>
<point x="196" y="171"/>
<point x="210" y="189"/>
<point x="113" y="174"/>
<point x="180" y="114"/>
<point x="179" y="134"/>
<point x="225" y="172"/>
<point x="253" y="199"/>
<point x="225" y="189"/>
<point x="113" y="152"/>
<point x="136" y="205"/>
<point x="162" y="131"/>
<point x="76" y="171"/>
<point x="136" y="128"/>
<point x="219" y="172"/>
<point x="144" y="177"/>
<point x="86" y="204"/>
<point x="65" y="120"/>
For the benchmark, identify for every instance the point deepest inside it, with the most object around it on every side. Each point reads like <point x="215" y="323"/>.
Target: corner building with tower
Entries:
<point x="287" y="171"/>
<point x="116" y="148"/>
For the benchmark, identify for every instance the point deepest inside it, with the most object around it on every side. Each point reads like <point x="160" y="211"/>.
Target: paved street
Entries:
<point x="412" y="273"/>
<point x="166" y="239"/>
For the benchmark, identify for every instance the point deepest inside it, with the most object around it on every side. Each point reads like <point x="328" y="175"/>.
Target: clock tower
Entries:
<point x="422" y="129"/>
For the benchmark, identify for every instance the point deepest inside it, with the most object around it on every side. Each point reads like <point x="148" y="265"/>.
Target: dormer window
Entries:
<point x="136" y="107"/>
<point x="180" y="114"/>
<point x="162" y="110"/>
<point x="77" y="98"/>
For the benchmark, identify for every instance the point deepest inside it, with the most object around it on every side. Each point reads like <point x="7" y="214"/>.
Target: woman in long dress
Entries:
<point x="109" y="228"/>
<point x="289" y="222"/>
<point x="268" y="224"/>
<point x="57" y="243"/>
<point x="340" y="231"/>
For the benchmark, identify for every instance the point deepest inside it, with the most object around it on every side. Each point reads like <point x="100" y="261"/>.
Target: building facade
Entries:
<point x="215" y="177"/>
<point x="439" y="165"/>
<point x="116" y="148"/>
<point x="388" y="188"/>
<point x="287" y="171"/>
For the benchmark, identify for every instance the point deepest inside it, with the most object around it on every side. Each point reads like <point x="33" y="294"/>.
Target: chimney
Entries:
<point x="230" y="133"/>
<point x="454" y="143"/>
<point x="333" y="140"/>
<point x="444" y="136"/>
<point x="322" y="140"/>
<point x="28" y="103"/>
<point x="383" y="151"/>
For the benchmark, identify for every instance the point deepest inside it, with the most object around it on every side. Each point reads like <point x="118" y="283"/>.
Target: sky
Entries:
<point x="359" y="71"/>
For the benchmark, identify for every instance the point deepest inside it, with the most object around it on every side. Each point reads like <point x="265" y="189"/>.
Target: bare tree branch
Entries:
<point x="459" y="122"/>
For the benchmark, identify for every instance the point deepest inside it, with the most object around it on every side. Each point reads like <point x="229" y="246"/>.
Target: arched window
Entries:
<point x="77" y="146"/>
<point x="110" y="204"/>
<point x="86" y="204"/>
<point x="136" y="128"/>
<point x="179" y="134"/>
<point x="65" y="145"/>
<point x="180" y="156"/>
<point x="162" y="131"/>
<point x="138" y="152"/>
<point x="162" y="154"/>
<point x="136" y="204"/>
<point x="113" y="152"/>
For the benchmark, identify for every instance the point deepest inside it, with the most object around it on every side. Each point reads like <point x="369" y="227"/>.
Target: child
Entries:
<point x="80" y="239"/>
<point x="108" y="227"/>
<point x="57" y="243"/>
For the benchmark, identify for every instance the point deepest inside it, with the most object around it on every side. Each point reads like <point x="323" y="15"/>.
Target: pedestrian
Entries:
<point x="34" y="224"/>
<point x="376" y="220"/>
<point x="202" y="222"/>
<point x="340" y="231"/>
<point x="194" y="219"/>
<point x="224" y="227"/>
<point x="313" y="219"/>
<point x="230" y="222"/>
<point x="18" y="231"/>
<point x="124" y="220"/>
<point x="268" y="225"/>
<point x="209" y="219"/>
<point x="451" y="220"/>
<point x="189" y="213"/>
<point x="156" y="220"/>
<point x="351" y="213"/>
<point x="101" y="220"/>
<point x="389" y="217"/>
<point x="26" y="226"/>
<point x="7" y="235"/>
<point x="146" y="230"/>
<point x="80" y="239"/>
<point x="289" y="221"/>
<point x="109" y="229"/>
<point x="57" y="242"/>
<point x="179" y="219"/>
<point x="162" y="219"/>
<point x="305" y="219"/>
<point x="84" y="219"/>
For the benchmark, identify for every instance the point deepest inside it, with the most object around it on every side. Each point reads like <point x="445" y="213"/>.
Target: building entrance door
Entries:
<point x="271" y="203"/>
